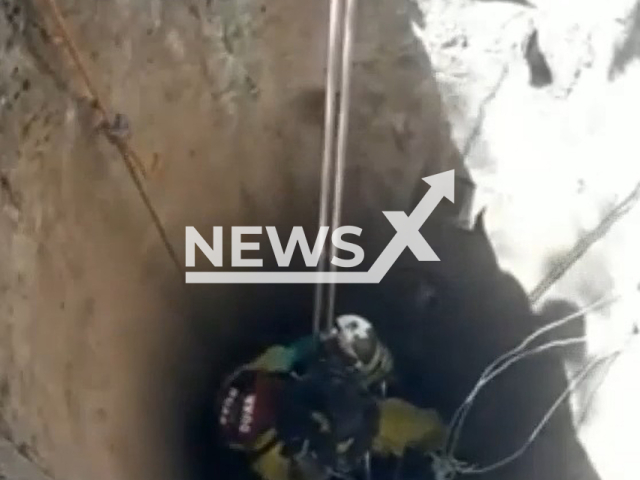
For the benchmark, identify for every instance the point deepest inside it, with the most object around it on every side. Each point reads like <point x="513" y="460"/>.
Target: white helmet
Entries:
<point x="358" y="339"/>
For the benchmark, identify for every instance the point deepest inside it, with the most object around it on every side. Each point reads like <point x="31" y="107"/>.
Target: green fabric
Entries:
<point x="282" y="359"/>
<point x="304" y="349"/>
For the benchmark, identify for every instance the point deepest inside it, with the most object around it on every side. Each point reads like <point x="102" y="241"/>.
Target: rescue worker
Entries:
<point x="352" y="344"/>
<point x="308" y="410"/>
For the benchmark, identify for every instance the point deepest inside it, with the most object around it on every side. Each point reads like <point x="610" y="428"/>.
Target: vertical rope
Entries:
<point x="327" y="154"/>
<point x="341" y="151"/>
<point x="333" y="158"/>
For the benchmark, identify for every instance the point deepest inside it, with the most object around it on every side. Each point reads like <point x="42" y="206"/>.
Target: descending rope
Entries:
<point x="333" y="156"/>
<point x="584" y="244"/>
<point x="343" y="130"/>
<point x="541" y="349"/>
<point x="129" y="156"/>
<point x="573" y="384"/>
<point x="327" y="153"/>
<point x="447" y="466"/>
<point x="508" y="357"/>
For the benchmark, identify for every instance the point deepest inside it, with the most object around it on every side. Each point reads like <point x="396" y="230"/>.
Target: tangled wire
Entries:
<point x="446" y="466"/>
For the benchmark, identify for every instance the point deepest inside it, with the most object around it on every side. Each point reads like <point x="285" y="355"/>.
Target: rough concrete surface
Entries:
<point x="106" y="358"/>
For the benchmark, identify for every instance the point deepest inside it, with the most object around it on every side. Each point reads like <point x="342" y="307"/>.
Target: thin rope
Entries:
<point x="343" y="131"/>
<point x="605" y="300"/>
<point x="333" y="157"/>
<point x="127" y="153"/>
<point x="505" y="366"/>
<point x="99" y="104"/>
<point x="571" y="387"/>
<point x="447" y="465"/>
<point x="585" y="243"/>
<point x="590" y="398"/>
<point x="75" y="55"/>
<point x="327" y="152"/>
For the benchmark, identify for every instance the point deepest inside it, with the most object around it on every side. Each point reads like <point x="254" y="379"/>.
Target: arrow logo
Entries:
<point x="407" y="236"/>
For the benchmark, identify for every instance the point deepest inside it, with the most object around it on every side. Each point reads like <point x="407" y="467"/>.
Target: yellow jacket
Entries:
<point x="401" y="425"/>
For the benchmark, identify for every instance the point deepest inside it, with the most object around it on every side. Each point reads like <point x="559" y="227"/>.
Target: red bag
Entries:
<point x="247" y="406"/>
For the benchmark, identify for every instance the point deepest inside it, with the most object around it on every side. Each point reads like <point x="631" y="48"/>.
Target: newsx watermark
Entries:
<point x="407" y="236"/>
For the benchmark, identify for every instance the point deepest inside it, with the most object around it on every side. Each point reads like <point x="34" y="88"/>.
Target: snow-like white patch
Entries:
<point x="550" y="163"/>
